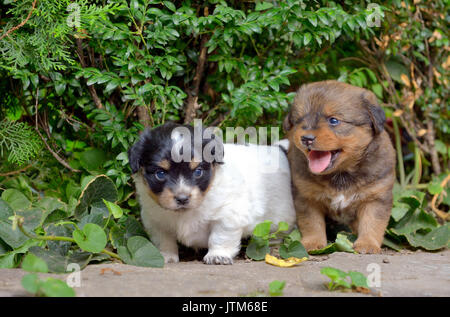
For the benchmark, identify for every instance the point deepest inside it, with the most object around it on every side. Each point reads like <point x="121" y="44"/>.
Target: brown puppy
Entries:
<point x="342" y="163"/>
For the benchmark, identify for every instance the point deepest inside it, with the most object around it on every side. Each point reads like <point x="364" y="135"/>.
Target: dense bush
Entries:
<point x="85" y="91"/>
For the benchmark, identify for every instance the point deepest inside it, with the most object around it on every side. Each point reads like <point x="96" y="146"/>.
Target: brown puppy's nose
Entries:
<point x="182" y="199"/>
<point x="308" y="139"/>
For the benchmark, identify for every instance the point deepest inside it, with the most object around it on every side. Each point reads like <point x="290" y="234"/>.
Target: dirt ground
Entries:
<point x="401" y="274"/>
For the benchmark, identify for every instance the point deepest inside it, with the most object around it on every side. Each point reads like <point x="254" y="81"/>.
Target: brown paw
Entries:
<point x="366" y="247"/>
<point x="314" y="243"/>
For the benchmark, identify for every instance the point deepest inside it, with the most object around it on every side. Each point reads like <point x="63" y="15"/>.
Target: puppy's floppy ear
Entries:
<point x="287" y="124"/>
<point x="134" y="157"/>
<point x="135" y="152"/>
<point x="375" y="112"/>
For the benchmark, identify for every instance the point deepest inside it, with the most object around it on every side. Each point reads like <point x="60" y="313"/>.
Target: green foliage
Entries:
<point x="19" y="141"/>
<point x="342" y="280"/>
<point x="276" y="288"/>
<point x="50" y="287"/>
<point x="343" y="243"/>
<point x="66" y="232"/>
<point x="412" y="225"/>
<point x="263" y="234"/>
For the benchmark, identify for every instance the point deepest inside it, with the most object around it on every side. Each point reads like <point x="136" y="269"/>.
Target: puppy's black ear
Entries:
<point x="287" y="124"/>
<point x="134" y="157"/>
<point x="135" y="152"/>
<point x="375" y="112"/>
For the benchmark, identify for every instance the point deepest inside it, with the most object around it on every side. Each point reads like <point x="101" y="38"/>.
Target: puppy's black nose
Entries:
<point x="182" y="199"/>
<point x="308" y="139"/>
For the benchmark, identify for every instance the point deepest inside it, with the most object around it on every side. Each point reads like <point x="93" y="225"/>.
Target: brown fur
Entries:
<point x="165" y="164"/>
<point x="357" y="188"/>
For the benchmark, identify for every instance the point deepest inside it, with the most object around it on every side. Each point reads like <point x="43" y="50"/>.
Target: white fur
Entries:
<point x="245" y="191"/>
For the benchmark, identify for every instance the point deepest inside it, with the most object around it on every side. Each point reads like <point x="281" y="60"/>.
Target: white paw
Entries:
<point x="170" y="257"/>
<point x="217" y="258"/>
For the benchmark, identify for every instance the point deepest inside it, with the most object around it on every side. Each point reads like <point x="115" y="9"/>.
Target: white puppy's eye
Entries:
<point x="198" y="172"/>
<point x="160" y="175"/>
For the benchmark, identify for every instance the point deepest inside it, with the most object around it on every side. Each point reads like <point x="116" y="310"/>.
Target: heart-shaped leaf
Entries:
<point x="91" y="238"/>
<point x="99" y="188"/>
<point x="58" y="263"/>
<point x="257" y="250"/>
<point x="140" y="252"/>
<point x="294" y="249"/>
<point x="32" y="263"/>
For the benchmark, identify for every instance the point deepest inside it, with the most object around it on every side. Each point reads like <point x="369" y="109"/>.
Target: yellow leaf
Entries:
<point x="397" y="113"/>
<point x="283" y="263"/>
<point x="422" y="132"/>
<point x="405" y="80"/>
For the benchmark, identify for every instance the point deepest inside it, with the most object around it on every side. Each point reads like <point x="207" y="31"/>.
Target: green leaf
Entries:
<point x="337" y="277"/>
<point x="93" y="159"/>
<point x="30" y="283"/>
<point x="261" y="6"/>
<point x="32" y="263"/>
<point x="60" y="87"/>
<point x="283" y="226"/>
<point x="391" y="244"/>
<point x="434" y="240"/>
<point x="343" y="243"/>
<point x="435" y="188"/>
<point x="170" y="6"/>
<point x="262" y="229"/>
<point x="56" y="288"/>
<point x="9" y="260"/>
<point x="358" y="279"/>
<point x="15" y="199"/>
<point x="413" y="221"/>
<point x="276" y="288"/>
<point x="440" y="146"/>
<point x="99" y="188"/>
<point x="295" y="249"/>
<point x="398" y="212"/>
<point x="15" y="238"/>
<point x="326" y="250"/>
<point x="115" y="210"/>
<point x="91" y="238"/>
<point x="294" y="235"/>
<point x="57" y="263"/>
<point x="257" y="250"/>
<point x="396" y="69"/>
<point x="307" y="37"/>
<point x="140" y="252"/>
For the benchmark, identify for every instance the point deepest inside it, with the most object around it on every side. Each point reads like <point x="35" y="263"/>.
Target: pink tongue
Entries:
<point x="319" y="161"/>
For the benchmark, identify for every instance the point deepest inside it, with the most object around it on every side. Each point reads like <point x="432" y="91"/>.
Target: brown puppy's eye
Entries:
<point x="333" y="121"/>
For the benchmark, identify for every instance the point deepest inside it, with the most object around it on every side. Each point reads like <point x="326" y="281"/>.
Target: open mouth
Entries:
<point x="320" y="161"/>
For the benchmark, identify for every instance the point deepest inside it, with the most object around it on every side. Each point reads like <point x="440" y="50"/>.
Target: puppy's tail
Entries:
<point x="283" y="144"/>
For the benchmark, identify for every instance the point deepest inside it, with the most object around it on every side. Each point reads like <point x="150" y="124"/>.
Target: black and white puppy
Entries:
<point x="213" y="197"/>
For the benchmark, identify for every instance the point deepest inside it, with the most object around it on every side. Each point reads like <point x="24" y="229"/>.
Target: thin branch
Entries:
<point x="16" y="172"/>
<point x="192" y="104"/>
<point x="91" y="88"/>
<point x="55" y="155"/>
<point x="33" y="6"/>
